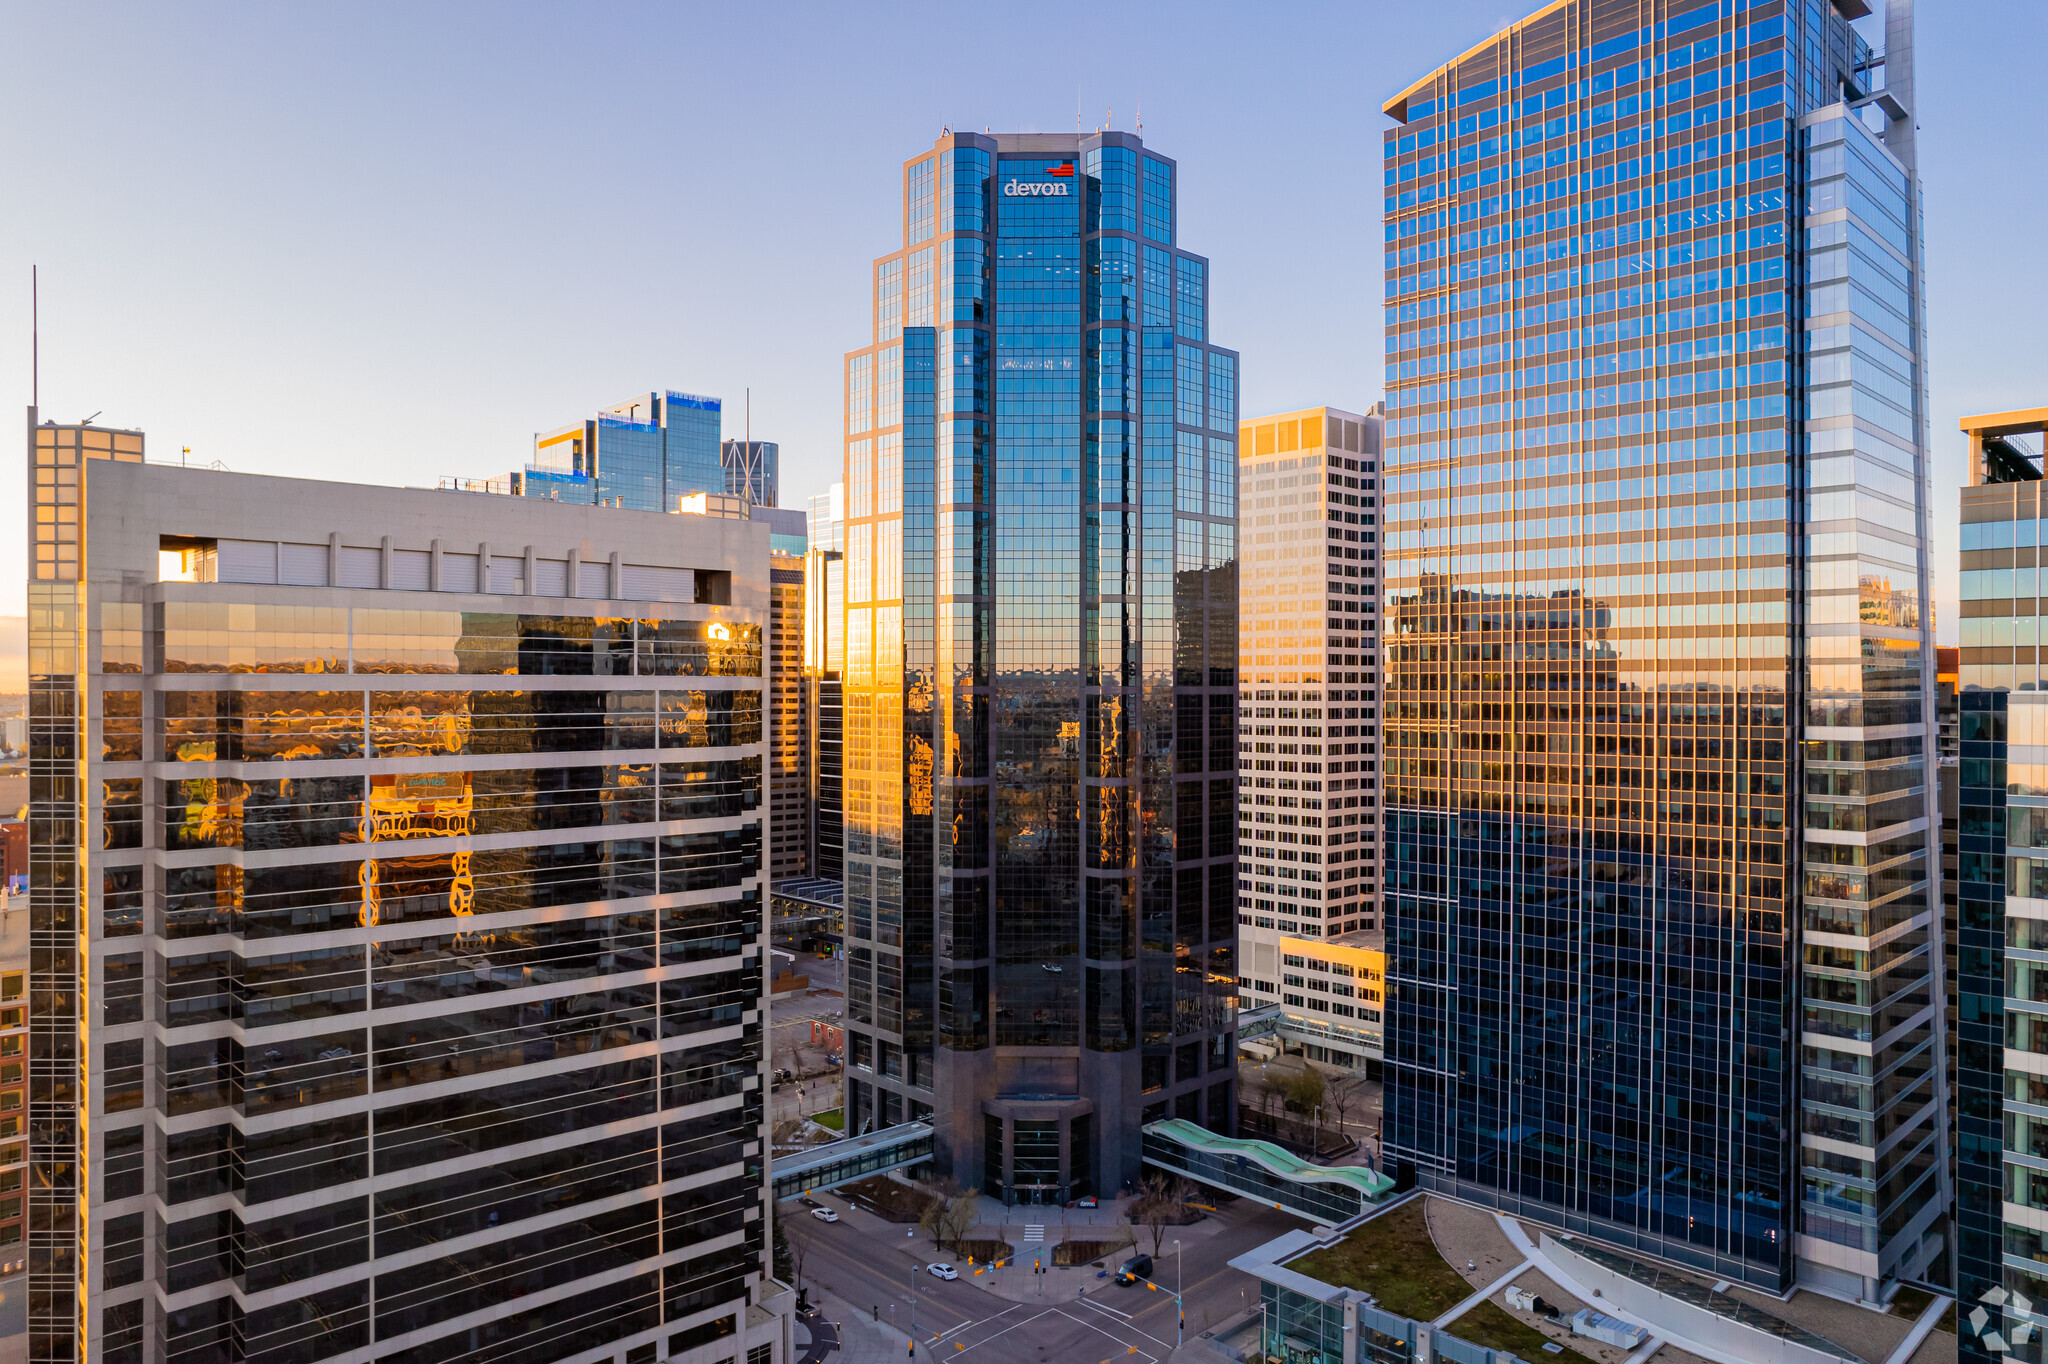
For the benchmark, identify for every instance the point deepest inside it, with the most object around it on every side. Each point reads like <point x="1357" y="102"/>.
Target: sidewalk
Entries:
<point x="862" y="1339"/>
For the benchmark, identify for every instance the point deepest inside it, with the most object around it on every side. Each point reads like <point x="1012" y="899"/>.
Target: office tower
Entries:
<point x="824" y="669"/>
<point x="14" y="1093"/>
<point x="397" y="919"/>
<point x="752" y="464"/>
<point x="1040" y="685"/>
<point x="826" y="518"/>
<point x="789" y="739"/>
<point x="1659" y="688"/>
<point x="2001" y="824"/>
<point x="1307" y="818"/>
<point x="641" y="454"/>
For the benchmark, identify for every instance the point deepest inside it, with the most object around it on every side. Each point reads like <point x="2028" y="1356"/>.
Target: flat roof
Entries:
<point x="2014" y="423"/>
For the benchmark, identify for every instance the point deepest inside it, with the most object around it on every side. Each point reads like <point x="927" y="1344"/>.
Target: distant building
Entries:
<point x="641" y="454"/>
<point x="789" y="740"/>
<point x="758" y="459"/>
<point x="1308" y="717"/>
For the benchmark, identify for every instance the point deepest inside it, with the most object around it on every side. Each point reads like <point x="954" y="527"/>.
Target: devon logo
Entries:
<point x="1024" y="189"/>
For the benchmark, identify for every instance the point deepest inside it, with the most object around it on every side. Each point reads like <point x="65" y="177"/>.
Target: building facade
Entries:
<point x="1661" y="896"/>
<point x="824" y="667"/>
<point x="641" y="454"/>
<point x="1308" y="666"/>
<point x="753" y="469"/>
<point x="2001" y="836"/>
<point x="398" y="923"/>
<point x="789" y="731"/>
<point x="1040" y="683"/>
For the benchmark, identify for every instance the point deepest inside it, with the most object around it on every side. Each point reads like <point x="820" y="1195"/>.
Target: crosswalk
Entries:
<point x="1033" y="1233"/>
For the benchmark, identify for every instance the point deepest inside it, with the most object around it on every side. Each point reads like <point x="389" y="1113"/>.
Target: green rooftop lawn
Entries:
<point x="1392" y="1258"/>
<point x="831" y="1118"/>
<point x="1493" y="1326"/>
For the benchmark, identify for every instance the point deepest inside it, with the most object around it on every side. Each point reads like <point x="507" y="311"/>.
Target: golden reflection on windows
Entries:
<point x="239" y="637"/>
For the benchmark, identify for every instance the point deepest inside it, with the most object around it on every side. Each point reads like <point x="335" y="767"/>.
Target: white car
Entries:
<point x="825" y="1214"/>
<point x="944" y="1271"/>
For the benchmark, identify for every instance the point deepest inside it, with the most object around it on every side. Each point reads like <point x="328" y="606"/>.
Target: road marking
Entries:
<point x="1033" y="1233"/>
<point x="1100" y="1308"/>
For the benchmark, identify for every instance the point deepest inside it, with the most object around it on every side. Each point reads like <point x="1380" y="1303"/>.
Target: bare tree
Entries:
<point x="1155" y="1208"/>
<point x="1343" y="1095"/>
<point x="796" y="1240"/>
<point x="949" y="1214"/>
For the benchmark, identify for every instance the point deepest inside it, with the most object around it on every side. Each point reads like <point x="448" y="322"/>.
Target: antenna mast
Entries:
<point x="35" y="340"/>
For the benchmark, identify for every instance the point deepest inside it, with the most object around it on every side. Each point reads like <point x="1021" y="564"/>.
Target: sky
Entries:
<point x="388" y="243"/>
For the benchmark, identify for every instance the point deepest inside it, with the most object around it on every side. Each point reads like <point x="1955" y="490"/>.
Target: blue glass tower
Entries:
<point x="2001" y="893"/>
<point x="1040" y="686"/>
<point x="1663" y="934"/>
<point x="641" y="454"/>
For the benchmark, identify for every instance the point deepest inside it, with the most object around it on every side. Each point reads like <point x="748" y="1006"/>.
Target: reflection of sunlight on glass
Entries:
<point x="177" y="566"/>
<point x="719" y="631"/>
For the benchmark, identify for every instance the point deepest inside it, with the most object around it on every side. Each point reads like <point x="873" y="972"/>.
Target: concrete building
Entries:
<point x="1660" y="680"/>
<point x="824" y="672"/>
<point x="421" y="924"/>
<point x="789" y="731"/>
<point x="1040" y="693"/>
<point x="1308" y="656"/>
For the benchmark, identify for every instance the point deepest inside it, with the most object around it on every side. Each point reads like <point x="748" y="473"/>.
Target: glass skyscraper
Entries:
<point x="2001" y="838"/>
<point x="1040" y="684"/>
<point x="641" y="454"/>
<point x="1664" y="948"/>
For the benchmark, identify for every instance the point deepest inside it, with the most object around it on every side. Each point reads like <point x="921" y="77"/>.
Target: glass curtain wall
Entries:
<point x="1656" y="648"/>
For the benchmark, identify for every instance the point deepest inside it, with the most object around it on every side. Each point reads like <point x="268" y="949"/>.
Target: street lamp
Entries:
<point x="912" y="1353"/>
<point x="1180" y="1310"/>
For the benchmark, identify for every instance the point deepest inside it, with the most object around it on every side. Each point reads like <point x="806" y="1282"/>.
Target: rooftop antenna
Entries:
<point x="89" y="420"/>
<point x="1141" y="113"/>
<point x="35" y="339"/>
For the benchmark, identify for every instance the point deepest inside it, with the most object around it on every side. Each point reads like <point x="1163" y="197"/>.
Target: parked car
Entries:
<point x="825" y="1214"/>
<point x="1136" y="1268"/>
<point x="944" y="1271"/>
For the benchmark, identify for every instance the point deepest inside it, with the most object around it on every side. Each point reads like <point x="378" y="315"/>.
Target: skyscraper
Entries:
<point x="824" y="670"/>
<point x="397" y="917"/>
<point x="641" y="454"/>
<point x="1308" y="800"/>
<point x="789" y="737"/>
<point x="2000" y="799"/>
<point x="1040" y="693"/>
<point x="754" y="465"/>
<point x="1665" y="956"/>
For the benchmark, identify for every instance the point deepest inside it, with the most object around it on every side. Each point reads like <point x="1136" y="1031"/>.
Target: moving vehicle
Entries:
<point x="1134" y="1269"/>
<point x="944" y="1271"/>
<point x="825" y="1214"/>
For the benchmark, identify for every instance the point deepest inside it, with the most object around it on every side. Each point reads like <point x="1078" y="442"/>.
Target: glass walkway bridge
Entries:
<point x="1258" y="1170"/>
<point x="851" y="1158"/>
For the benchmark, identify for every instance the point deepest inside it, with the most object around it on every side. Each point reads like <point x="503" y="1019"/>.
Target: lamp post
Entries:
<point x="1180" y="1311"/>
<point x="912" y="1353"/>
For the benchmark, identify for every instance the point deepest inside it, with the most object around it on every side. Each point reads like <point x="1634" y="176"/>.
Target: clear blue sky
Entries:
<point x="389" y="242"/>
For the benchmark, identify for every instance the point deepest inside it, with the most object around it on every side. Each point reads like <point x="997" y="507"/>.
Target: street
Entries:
<point x="789" y="1039"/>
<point x="872" y="1266"/>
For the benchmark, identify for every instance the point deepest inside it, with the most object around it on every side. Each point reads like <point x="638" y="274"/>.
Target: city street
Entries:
<point x="789" y="1038"/>
<point x="869" y="1266"/>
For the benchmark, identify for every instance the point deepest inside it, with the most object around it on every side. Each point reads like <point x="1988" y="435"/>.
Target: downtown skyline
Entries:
<point x="203" y="284"/>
